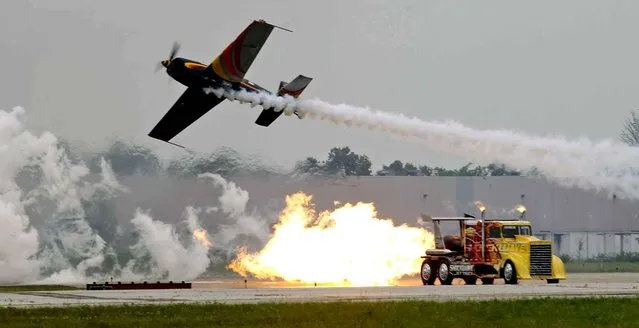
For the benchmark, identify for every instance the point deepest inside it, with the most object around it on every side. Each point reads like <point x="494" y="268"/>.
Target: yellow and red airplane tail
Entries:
<point x="238" y="56"/>
<point x="295" y="87"/>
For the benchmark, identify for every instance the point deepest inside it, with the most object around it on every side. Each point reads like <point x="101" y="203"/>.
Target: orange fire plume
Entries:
<point x="349" y="246"/>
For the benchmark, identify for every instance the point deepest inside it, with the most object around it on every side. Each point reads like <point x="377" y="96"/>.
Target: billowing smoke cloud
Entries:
<point x="233" y="202"/>
<point x="169" y="257"/>
<point x="59" y="224"/>
<point x="604" y="165"/>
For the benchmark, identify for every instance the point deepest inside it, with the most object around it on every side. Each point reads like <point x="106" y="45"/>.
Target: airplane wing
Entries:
<point x="233" y="63"/>
<point x="191" y="105"/>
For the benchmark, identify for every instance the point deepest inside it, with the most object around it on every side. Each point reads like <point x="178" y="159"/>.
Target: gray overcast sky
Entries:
<point x="85" y="69"/>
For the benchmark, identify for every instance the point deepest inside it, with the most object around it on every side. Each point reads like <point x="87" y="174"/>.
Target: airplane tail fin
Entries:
<point x="293" y="89"/>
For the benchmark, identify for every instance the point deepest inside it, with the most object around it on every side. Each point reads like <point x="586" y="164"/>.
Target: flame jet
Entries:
<point x="225" y="72"/>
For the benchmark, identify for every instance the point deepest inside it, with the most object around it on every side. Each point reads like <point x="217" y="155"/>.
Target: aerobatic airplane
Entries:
<point x="226" y="71"/>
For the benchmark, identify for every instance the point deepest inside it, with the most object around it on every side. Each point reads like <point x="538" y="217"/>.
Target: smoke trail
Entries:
<point x="582" y="163"/>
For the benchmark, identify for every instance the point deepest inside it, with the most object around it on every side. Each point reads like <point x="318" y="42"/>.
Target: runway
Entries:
<point x="578" y="285"/>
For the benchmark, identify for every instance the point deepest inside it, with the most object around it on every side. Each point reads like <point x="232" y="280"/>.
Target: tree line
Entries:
<point x="343" y="161"/>
<point x="129" y="159"/>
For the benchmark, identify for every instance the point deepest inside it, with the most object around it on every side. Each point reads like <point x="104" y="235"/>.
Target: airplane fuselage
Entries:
<point x="191" y="73"/>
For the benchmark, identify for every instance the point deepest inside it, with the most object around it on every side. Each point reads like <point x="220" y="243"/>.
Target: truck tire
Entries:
<point x="428" y="273"/>
<point x="510" y="273"/>
<point x="443" y="273"/>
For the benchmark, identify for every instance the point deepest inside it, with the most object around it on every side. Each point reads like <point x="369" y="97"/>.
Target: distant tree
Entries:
<point x="346" y="161"/>
<point x="363" y="167"/>
<point x="310" y="165"/>
<point x="492" y="169"/>
<point x="410" y="168"/>
<point x="466" y="170"/>
<point x="397" y="168"/>
<point x="394" y="168"/>
<point x="443" y="172"/>
<point x="341" y="160"/>
<point x="426" y="170"/>
<point x="630" y="132"/>
<point x="499" y="170"/>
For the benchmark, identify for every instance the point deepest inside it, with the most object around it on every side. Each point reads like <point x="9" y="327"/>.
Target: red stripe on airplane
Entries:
<point x="231" y="53"/>
<point x="238" y="52"/>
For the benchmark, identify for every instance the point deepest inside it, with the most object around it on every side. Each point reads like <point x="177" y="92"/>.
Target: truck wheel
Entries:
<point x="487" y="281"/>
<point x="444" y="275"/>
<point x="553" y="281"/>
<point x="428" y="273"/>
<point x="510" y="273"/>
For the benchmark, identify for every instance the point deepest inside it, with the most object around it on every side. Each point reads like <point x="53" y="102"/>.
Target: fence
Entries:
<point x="583" y="245"/>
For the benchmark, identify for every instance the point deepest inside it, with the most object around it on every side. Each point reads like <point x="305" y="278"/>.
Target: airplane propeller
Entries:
<point x="174" y="51"/>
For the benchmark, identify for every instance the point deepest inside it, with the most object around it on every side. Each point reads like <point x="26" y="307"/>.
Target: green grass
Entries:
<point x="545" y="313"/>
<point x="601" y="266"/>
<point x="39" y="288"/>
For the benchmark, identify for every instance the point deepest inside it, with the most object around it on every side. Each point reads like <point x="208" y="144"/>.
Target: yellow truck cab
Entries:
<point x="487" y="249"/>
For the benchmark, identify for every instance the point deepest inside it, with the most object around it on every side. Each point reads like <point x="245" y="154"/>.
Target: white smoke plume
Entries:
<point x="48" y="235"/>
<point x="170" y="258"/>
<point x="603" y="165"/>
<point x="57" y="188"/>
<point x="233" y="199"/>
<point x="233" y="202"/>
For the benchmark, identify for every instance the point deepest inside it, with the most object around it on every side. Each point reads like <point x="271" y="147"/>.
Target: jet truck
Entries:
<point x="489" y="249"/>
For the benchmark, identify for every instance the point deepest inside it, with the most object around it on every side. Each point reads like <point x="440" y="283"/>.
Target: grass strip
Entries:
<point x="564" y="313"/>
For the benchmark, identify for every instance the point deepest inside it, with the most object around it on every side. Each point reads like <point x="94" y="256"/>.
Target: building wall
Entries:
<point x="566" y="215"/>
<point x="550" y="207"/>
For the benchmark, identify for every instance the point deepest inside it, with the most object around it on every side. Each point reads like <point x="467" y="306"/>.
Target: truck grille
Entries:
<point x="540" y="259"/>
